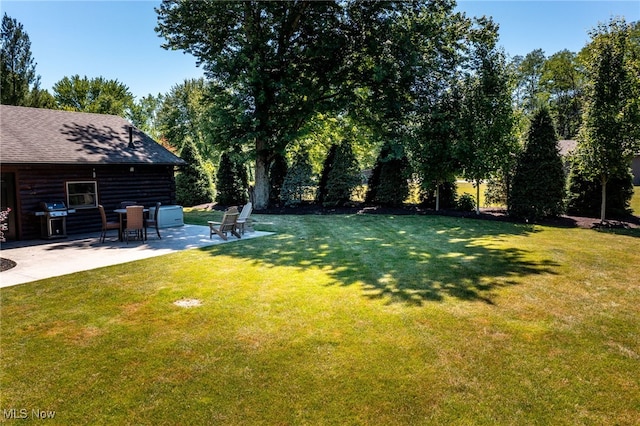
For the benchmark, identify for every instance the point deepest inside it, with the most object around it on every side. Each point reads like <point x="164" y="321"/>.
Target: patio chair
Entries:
<point x="244" y="221"/>
<point x="124" y="205"/>
<point x="228" y="224"/>
<point x="153" y="222"/>
<point x="106" y="226"/>
<point x="135" y="223"/>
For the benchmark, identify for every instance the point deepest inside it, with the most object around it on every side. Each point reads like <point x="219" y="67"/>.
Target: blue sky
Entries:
<point x="116" y="39"/>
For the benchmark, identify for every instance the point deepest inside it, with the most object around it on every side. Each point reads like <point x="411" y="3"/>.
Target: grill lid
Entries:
<point x="52" y="205"/>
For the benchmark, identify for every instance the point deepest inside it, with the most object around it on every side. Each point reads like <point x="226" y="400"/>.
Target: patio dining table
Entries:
<point x="122" y="214"/>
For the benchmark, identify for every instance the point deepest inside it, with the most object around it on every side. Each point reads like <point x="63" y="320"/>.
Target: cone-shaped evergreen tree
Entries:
<point x="343" y="177"/>
<point x="324" y="176"/>
<point x="297" y="181"/>
<point x="231" y="181"/>
<point x="193" y="184"/>
<point x="277" y="173"/>
<point x="538" y="189"/>
<point x="242" y="180"/>
<point x="388" y="185"/>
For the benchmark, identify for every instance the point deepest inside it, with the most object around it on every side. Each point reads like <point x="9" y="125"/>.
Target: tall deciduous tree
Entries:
<point x="414" y="67"/>
<point x="281" y="59"/>
<point x="17" y="67"/>
<point x="529" y="76"/>
<point x="40" y="98"/>
<point x="97" y="95"/>
<point x="435" y="144"/>
<point x="610" y="131"/>
<point x="486" y="142"/>
<point x="143" y="114"/>
<point x="280" y="63"/>
<point x="562" y="79"/>
<point x="181" y="115"/>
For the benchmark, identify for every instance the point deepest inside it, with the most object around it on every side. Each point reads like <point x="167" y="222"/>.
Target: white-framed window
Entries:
<point x="82" y="194"/>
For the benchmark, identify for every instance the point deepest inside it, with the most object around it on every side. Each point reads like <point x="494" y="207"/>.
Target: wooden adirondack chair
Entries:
<point x="244" y="220"/>
<point x="228" y="224"/>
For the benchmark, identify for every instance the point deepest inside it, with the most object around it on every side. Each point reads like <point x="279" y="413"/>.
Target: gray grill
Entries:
<point x="53" y="219"/>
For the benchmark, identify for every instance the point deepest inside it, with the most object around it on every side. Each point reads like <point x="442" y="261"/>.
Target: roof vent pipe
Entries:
<point x="131" y="145"/>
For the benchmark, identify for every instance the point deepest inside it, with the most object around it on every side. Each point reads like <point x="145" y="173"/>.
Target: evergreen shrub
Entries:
<point x="389" y="181"/>
<point x="448" y="195"/>
<point x="343" y="177"/>
<point x="538" y="187"/>
<point x="231" y="181"/>
<point x="298" y="182"/>
<point x="585" y="195"/>
<point x="277" y="173"/>
<point x="466" y="203"/>
<point x="324" y="175"/>
<point x="194" y="184"/>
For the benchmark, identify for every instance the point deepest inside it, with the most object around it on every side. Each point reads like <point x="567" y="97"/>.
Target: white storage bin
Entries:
<point x="169" y="216"/>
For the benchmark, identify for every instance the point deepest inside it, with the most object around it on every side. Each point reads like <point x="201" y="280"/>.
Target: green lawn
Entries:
<point x="359" y="319"/>
<point x="464" y="187"/>
<point x="635" y="201"/>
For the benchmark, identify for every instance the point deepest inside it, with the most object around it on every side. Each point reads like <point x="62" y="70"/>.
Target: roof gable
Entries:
<point x="567" y="146"/>
<point x="45" y="136"/>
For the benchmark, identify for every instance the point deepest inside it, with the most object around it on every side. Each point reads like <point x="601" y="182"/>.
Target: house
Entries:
<point x="635" y="169"/>
<point x="80" y="159"/>
<point x="566" y="147"/>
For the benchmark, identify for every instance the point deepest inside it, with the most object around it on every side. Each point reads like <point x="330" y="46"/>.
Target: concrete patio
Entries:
<point x="41" y="259"/>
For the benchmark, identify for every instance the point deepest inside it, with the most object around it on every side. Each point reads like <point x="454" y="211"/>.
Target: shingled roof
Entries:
<point x="45" y="136"/>
<point x="567" y="147"/>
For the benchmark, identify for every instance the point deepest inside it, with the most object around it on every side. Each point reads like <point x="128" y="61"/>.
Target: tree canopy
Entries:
<point x="97" y="95"/>
<point x="17" y="66"/>
<point x="277" y="64"/>
<point x="180" y="116"/>
<point x="280" y="62"/>
<point x="562" y="78"/>
<point x="486" y="118"/>
<point x="610" y="131"/>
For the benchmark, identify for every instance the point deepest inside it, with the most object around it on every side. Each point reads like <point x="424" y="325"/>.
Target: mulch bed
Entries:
<point x="6" y="264"/>
<point x="629" y="221"/>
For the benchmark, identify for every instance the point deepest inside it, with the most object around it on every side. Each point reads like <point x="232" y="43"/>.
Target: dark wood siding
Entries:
<point x="635" y="169"/>
<point x="146" y="184"/>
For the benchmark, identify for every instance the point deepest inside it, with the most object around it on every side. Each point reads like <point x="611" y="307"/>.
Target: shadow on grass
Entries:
<point x="628" y="232"/>
<point x="411" y="260"/>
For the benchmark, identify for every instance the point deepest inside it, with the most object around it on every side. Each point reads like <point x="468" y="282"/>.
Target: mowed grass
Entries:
<point x="357" y="319"/>
<point x="635" y="201"/>
<point x="464" y="187"/>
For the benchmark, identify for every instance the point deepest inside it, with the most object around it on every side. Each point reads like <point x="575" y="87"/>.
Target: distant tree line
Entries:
<point x="379" y="102"/>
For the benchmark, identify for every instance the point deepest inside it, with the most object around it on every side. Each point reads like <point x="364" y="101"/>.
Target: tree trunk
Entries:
<point x="261" y="190"/>
<point x="437" y="196"/>
<point x="478" y="196"/>
<point x="603" y="205"/>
